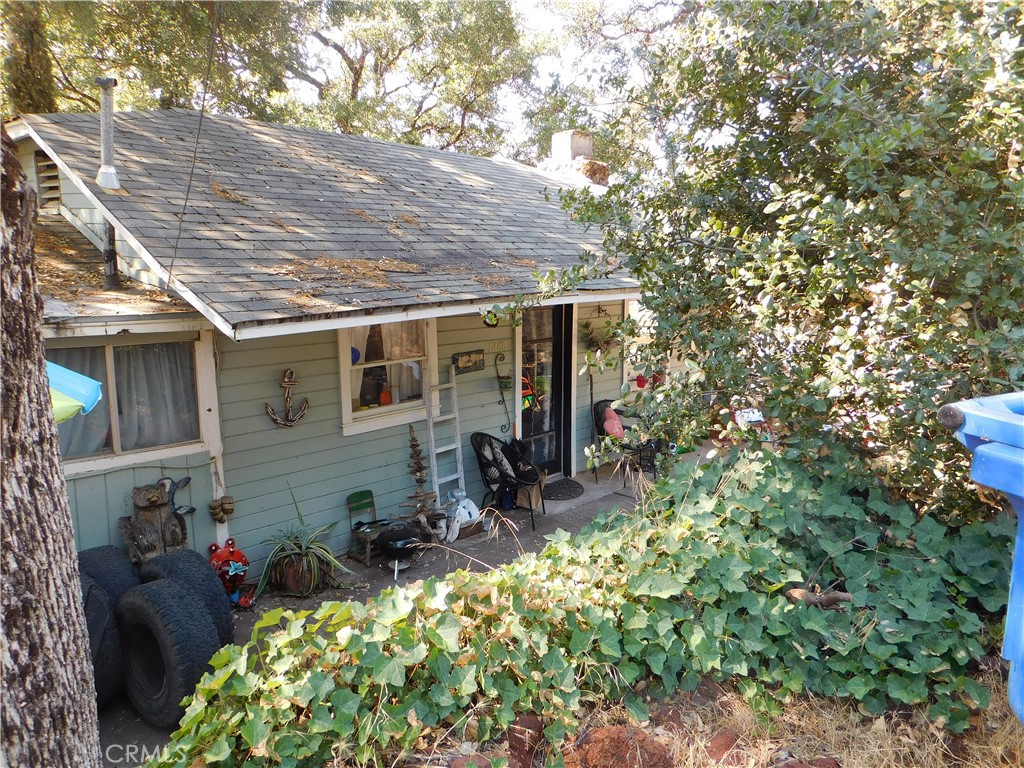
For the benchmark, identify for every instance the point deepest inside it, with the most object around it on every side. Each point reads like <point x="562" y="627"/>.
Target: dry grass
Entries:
<point x="62" y="271"/>
<point x="282" y="224"/>
<point x="327" y="270"/>
<point x="813" y="727"/>
<point x="388" y="264"/>
<point x="365" y="216"/>
<point x="73" y="272"/>
<point x="492" y="280"/>
<point x="408" y="218"/>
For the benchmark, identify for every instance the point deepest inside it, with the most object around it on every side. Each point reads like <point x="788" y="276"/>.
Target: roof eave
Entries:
<point x="270" y="329"/>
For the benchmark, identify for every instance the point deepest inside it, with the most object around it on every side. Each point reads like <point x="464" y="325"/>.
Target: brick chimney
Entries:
<point x="573" y="149"/>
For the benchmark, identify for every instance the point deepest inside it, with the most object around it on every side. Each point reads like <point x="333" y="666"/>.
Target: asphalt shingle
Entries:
<point x="287" y="223"/>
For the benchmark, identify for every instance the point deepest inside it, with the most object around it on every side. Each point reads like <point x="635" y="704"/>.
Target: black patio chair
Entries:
<point x="503" y="469"/>
<point x="639" y="456"/>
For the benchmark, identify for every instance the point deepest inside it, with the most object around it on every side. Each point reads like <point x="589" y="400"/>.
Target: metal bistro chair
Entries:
<point x="503" y="469"/>
<point x="641" y="457"/>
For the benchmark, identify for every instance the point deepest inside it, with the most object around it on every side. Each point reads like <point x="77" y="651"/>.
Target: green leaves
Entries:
<point x="678" y="590"/>
<point x="445" y="632"/>
<point x="823" y="246"/>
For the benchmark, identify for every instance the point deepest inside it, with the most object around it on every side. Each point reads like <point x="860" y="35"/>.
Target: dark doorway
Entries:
<point x="546" y="377"/>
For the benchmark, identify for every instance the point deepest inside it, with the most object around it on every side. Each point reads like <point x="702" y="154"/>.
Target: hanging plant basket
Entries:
<point x="505" y="382"/>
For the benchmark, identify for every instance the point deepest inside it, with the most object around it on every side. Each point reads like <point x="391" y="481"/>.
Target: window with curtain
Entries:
<point x="149" y="398"/>
<point x="387" y="364"/>
<point x="382" y="372"/>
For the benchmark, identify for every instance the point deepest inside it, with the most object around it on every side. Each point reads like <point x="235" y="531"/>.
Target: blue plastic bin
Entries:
<point x="993" y="429"/>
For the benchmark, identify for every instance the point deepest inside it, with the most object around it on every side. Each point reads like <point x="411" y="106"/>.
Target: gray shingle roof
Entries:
<point x="290" y="224"/>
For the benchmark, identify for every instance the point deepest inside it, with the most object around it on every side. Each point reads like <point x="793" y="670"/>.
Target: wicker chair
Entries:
<point x="503" y="469"/>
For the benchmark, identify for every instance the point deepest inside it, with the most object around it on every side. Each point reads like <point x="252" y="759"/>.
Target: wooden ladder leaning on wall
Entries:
<point x="451" y="441"/>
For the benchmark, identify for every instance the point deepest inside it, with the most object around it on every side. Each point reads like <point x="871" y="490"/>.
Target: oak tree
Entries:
<point x="47" y="698"/>
<point x="837" y="234"/>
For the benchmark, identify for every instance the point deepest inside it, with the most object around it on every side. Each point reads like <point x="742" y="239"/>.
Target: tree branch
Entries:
<point x="818" y="600"/>
<point x="68" y="85"/>
<point x="300" y="74"/>
<point x="355" y="66"/>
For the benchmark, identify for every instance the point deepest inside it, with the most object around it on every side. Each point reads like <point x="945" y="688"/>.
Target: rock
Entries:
<point x="722" y="748"/>
<point x="524" y="738"/>
<point x="669" y="717"/>
<point x="618" y="747"/>
<point x="470" y="761"/>
<point x="708" y="692"/>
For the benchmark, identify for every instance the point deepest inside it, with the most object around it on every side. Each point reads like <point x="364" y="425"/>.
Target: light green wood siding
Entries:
<point x="98" y="500"/>
<point x="269" y="470"/>
<point x="479" y="397"/>
<point x="606" y="383"/>
<point x="265" y="464"/>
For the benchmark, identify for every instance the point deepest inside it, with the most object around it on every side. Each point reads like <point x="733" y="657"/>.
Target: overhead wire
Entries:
<point x="214" y="25"/>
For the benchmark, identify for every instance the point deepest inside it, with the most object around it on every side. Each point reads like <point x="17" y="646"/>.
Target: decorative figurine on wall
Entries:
<point x="289" y="419"/>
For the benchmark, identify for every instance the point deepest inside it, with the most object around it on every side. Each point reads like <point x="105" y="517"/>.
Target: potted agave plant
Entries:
<point x="300" y="562"/>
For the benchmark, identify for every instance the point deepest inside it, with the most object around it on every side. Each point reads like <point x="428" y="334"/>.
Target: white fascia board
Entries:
<point x="244" y="333"/>
<point x="78" y="327"/>
<point x="172" y="282"/>
<point x="18" y="130"/>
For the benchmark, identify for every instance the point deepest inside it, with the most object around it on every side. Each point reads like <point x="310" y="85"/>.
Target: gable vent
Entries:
<point x="48" y="181"/>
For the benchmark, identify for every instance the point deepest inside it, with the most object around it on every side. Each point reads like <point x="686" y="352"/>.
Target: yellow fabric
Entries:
<point x="64" y="407"/>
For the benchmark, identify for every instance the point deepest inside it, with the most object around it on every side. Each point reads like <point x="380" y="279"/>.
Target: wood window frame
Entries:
<point x="354" y="422"/>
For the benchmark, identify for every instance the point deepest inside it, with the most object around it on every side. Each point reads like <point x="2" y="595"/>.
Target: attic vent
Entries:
<point x="48" y="181"/>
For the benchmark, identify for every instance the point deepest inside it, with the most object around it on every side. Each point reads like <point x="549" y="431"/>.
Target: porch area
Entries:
<point x="477" y="552"/>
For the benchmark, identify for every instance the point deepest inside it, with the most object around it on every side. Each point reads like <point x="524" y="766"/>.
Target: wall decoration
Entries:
<point x="465" y="362"/>
<point x="289" y="419"/>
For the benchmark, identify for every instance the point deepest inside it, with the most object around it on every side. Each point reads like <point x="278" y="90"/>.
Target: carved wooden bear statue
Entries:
<point x="152" y="528"/>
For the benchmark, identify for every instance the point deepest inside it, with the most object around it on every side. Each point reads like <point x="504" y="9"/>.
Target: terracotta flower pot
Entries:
<point x="296" y="576"/>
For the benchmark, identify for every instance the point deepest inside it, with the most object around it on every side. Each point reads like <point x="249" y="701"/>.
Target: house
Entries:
<point x="248" y="252"/>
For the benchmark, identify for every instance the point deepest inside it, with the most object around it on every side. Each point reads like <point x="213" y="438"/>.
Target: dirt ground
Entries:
<point x="127" y="740"/>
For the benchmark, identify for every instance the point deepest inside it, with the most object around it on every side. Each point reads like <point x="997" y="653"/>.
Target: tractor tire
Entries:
<point x="190" y="569"/>
<point x="168" y="640"/>
<point x="111" y="569"/>
<point x="104" y="641"/>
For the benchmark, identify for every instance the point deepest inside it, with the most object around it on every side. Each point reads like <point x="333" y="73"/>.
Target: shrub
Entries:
<point x="692" y="584"/>
<point x="839" y="234"/>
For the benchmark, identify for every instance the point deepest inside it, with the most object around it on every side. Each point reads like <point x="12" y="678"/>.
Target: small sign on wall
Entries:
<point x="465" y="362"/>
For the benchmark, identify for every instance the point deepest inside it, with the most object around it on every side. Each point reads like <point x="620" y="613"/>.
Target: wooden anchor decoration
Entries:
<point x="289" y="420"/>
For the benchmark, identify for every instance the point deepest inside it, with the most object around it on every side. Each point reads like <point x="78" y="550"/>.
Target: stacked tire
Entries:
<point x="167" y="620"/>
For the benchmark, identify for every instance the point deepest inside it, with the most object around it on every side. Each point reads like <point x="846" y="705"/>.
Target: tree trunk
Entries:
<point x="47" y="697"/>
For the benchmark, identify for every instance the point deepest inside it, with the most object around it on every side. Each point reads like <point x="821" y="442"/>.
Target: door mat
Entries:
<point x="563" y="490"/>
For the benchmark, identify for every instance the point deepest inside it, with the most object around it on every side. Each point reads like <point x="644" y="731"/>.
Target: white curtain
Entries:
<point x="156" y="395"/>
<point x="156" y="398"/>
<point x="405" y="340"/>
<point x="398" y="340"/>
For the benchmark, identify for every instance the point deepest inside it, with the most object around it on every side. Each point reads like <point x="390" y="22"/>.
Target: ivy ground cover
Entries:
<point x="692" y="583"/>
